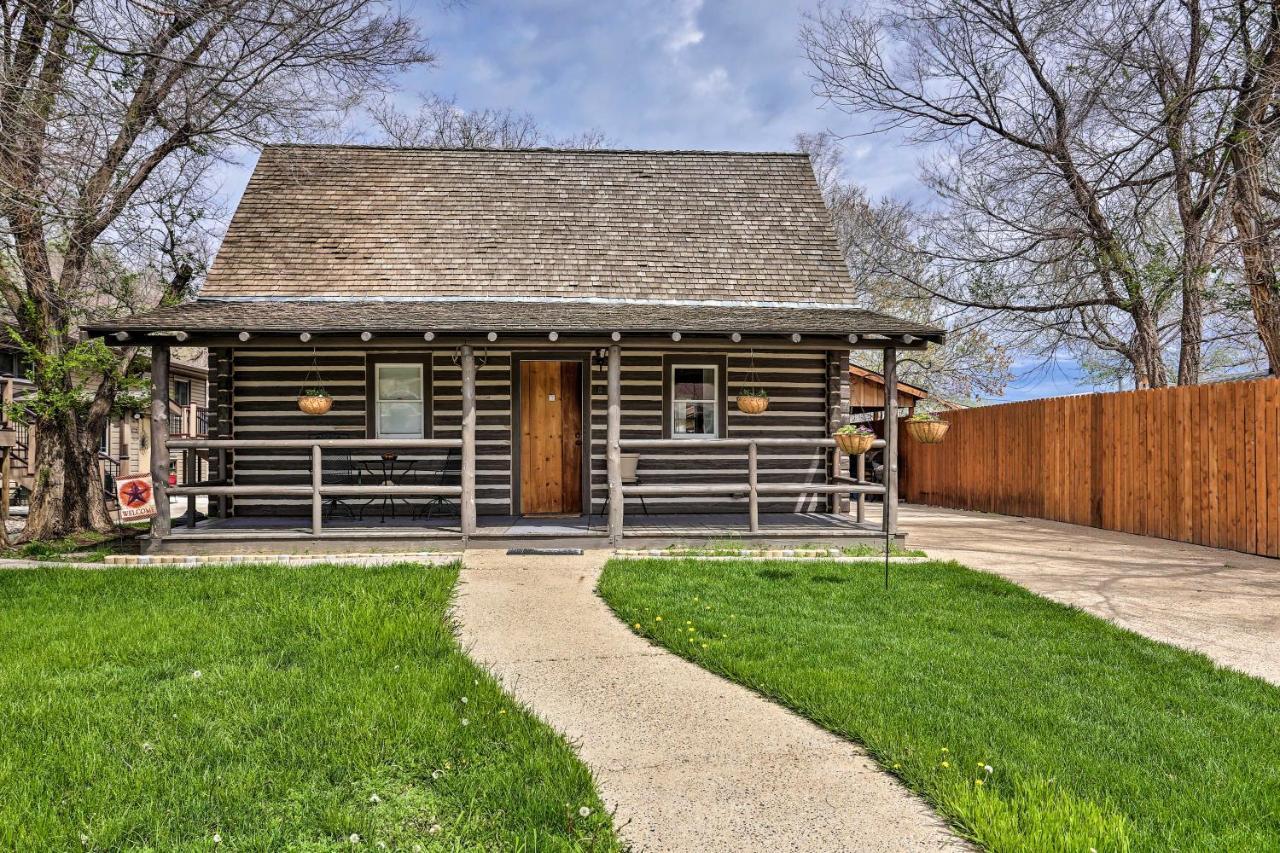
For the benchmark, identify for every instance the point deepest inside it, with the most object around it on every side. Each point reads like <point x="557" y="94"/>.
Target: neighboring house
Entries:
<point x="126" y="441"/>
<point x="539" y="333"/>
<point x="866" y="395"/>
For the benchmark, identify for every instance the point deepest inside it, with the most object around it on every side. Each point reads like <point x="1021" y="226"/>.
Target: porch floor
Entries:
<point x="372" y="534"/>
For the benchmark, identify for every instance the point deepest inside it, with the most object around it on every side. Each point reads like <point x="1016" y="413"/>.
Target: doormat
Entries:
<point x="544" y="552"/>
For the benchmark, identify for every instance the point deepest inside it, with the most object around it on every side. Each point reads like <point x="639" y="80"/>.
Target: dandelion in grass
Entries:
<point x="584" y="812"/>
<point x="435" y="829"/>
<point x="946" y="764"/>
<point x="978" y="782"/>
<point x="354" y="838"/>
<point x="986" y="768"/>
<point x="659" y="618"/>
<point x="381" y="845"/>
<point x="147" y="746"/>
<point x="196" y="673"/>
<point x="464" y="700"/>
<point x="217" y="839"/>
<point x="436" y="774"/>
<point x="465" y="721"/>
<point x="375" y="799"/>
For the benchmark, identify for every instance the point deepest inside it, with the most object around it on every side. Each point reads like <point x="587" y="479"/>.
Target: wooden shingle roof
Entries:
<point x="350" y="221"/>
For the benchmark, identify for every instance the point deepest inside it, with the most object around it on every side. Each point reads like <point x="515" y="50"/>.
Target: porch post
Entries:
<point x="160" y="439"/>
<point x="890" y="440"/>
<point x="468" y="508"/>
<point x="837" y="415"/>
<point x="613" y="448"/>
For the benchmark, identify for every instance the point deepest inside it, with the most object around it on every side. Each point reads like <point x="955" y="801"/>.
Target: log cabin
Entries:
<point x="522" y="344"/>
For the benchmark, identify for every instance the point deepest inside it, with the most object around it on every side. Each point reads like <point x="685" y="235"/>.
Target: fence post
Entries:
<point x="862" y="478"/>
<point x="190" y="473"/>
<point x="317" y="479"/>
<point x="752" y="483"/>
<point x="222" y="478"/>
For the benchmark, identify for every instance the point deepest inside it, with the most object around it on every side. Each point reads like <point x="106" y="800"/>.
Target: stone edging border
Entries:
<point x="832" y="554"/>
<point x="435" y="558"/>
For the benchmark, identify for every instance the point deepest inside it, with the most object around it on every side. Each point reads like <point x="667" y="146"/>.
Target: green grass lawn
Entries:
<point x="1096" y="737"/>
<point x="276" y="708"/>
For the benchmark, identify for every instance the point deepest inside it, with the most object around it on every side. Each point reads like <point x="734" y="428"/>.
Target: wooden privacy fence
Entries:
<point x="1197" y="464"/>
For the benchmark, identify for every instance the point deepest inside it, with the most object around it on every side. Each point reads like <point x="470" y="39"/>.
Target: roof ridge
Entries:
<point x="541" y="149"/>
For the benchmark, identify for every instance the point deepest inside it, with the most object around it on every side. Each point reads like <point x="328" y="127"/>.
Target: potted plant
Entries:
<point x="315" y="401"/>
<point x="927" y="428"/>
<point x="854" y="439"/>
<point x="753" y="401"/>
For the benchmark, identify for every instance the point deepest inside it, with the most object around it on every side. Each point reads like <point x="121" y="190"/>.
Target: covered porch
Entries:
<point x="709" y="471"/>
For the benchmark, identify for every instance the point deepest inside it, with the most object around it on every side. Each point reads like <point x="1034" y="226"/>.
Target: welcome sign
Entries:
<point x="137" y="498"/>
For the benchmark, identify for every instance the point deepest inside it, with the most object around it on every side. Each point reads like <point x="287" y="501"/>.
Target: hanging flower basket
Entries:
<point x="854" y="439"/>
<point x="753" y="401"/>
<point x="926" y="428"/>
<point x="314" y="402"/>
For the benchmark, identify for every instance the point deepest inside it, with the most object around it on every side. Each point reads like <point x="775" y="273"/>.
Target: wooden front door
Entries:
<point x="550" y="437"/>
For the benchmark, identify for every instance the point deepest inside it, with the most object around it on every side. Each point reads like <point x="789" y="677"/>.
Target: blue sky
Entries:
<point x="657" y="74"/>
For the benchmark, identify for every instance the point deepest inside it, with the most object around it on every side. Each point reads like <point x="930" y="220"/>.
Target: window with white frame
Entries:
<point x="694" y="400"/>
<point x="399" y="400"/>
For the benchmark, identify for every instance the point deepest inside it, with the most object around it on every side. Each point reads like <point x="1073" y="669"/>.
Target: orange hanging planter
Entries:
<point x="313" y="399"/>
<point x="927" y="429"/>
<point x="753" y="401"/>
<point x="315" y="403"/>
<point x="854" y="439"/>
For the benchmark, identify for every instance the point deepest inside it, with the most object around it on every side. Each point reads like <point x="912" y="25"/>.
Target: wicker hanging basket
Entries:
<point x="853" y="444"/>
<point x="752" y="404"/>
<point x="313" y="399"/>
<point x="315" y="404"/>
<point x="927" y="432"/>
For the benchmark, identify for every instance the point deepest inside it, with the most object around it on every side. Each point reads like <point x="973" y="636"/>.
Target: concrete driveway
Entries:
<point x="688" y="760"/>
<point x="1222" y="603"/>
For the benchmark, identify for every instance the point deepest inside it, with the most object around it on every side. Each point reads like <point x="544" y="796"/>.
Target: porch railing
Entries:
<point x="837" y="485"/>
<point x="221" y="487"/>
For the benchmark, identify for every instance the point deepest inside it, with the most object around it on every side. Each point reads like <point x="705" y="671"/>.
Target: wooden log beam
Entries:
<point x="890" y="522"/>
<point x="837" y="416"/>
<point x="613" y="444"/>
<point x="467" y="502"/>
<point x="160" y="439"/>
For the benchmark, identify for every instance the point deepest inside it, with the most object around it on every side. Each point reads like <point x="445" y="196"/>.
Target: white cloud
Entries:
<point x="685" y="32"/>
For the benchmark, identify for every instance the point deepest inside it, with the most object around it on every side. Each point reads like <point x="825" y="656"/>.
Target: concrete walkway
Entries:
<point x="688" y="760"/>
<point x="1222" y="603"/>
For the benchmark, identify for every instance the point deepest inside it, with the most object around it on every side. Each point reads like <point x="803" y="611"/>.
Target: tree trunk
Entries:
<point x="67" y="497"/>
<point x="1257" y="248"/>
<point x="1147" y="357"/>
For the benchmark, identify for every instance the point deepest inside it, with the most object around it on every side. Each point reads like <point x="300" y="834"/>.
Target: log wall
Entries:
<point x="260" y="402"/>
<point x="1196" y="464"/>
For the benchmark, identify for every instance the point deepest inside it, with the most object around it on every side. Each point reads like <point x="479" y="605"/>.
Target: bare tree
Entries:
<point x="1056" y="216"/>
<point x="888" y="272"/>
<point x="101" y="101"/>
<point x="440" y="123"/>
<point x="1253" y="138"/>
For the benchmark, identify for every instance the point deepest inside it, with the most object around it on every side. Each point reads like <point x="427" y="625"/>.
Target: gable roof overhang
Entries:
<point x="227" y="322"/>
